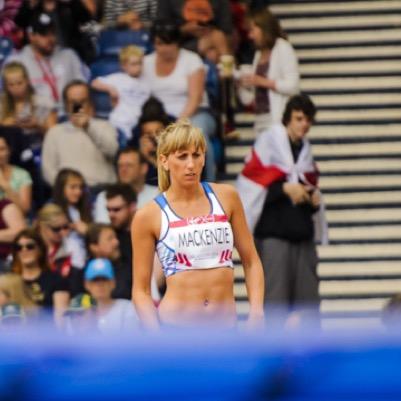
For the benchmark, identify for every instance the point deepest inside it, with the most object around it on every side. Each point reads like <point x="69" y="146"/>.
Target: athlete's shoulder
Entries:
<point x="146" y="215"/>
<point x="223" y="189"/>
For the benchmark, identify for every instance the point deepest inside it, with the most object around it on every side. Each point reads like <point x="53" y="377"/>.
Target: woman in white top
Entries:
<point x="275" y="74"/>
<point x="177" y="78"/>
<point x="193" y="226"/>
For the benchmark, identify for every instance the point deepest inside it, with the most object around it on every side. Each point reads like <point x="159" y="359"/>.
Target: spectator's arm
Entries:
<point x="50" y="162"/>
<point x="104" y="137"/>
<point x="288" y="83"/>
<point x="15" y="222"/>
<point x="77" y="68"/>
<point x="100" y="85"/>
<point x="196" y="88"/>
<point x="50" y="121"/>
<point x="22" y="198"/>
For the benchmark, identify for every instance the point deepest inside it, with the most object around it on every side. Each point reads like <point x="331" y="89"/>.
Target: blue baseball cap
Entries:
<point x="99" y="268"/>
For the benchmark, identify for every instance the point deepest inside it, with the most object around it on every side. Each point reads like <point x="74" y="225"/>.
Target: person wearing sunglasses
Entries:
<point x="121" y="203"/>
<point x="54" y="228"/>
<point x="46" y="288"/>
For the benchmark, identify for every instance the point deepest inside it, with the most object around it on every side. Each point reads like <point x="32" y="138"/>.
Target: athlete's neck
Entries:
<point x="184" y="194"/>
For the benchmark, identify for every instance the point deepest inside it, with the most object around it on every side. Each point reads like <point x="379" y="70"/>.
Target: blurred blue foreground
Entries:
<point x="275" y="365"/>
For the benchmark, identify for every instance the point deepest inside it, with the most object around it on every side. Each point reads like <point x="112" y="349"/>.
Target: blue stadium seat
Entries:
<point x="111" y="41"/>
<point x="104" y="66"/>
<point x="102" y="104"/>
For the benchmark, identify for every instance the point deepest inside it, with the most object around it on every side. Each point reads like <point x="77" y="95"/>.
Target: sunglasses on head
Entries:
<point x="58" y="229"/>
<point x="30" y="246"/>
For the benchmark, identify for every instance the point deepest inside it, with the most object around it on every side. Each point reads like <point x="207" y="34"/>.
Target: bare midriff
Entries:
<point x="200" y="297"/>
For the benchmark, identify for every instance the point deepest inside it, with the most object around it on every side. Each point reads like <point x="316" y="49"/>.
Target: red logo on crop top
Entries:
<point x="190" y="221"/>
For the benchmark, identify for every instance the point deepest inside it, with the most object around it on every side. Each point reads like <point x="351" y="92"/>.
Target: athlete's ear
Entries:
<point x="163" y="161"/>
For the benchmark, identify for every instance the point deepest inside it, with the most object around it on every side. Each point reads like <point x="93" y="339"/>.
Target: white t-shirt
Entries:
<point x="120" y="318"/>
<point x="172" y="90"/>
<point x="132" y="94"/>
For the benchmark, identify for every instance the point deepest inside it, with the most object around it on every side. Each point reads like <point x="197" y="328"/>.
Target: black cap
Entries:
<point x="42" y="23"/>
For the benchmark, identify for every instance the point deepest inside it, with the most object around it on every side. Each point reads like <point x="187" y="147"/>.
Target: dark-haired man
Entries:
<point x="50" y="67"/>
<point x="278" y="186"/>
<point x="84" y="143"/>
<point x="121" y="205"/>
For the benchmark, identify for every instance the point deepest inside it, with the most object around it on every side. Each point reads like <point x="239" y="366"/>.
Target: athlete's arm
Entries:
<point x="243" y="241"/>
<point x="143" y="246"/>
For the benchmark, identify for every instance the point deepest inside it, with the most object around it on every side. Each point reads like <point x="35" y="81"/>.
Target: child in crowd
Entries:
<point x="70" y="193"/>
<point x="19" y="106"/>
<point x="128" y="91"/>
<point x="112" y="315"/>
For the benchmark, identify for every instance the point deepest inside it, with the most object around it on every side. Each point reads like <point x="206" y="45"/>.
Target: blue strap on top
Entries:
<point x="161" y="201"/>
<point x="207" y="187"/>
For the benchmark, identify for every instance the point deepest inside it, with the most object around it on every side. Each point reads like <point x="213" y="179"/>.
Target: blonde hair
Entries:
<point x="129" y="51"/>
<point x="7" y="103"/>
<point x="14" y="288"/>
<point x="177" y="136"/>
<point x="48" y="212"/>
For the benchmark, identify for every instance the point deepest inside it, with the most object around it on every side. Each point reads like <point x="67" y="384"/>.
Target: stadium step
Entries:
<point x="349" y="53"/>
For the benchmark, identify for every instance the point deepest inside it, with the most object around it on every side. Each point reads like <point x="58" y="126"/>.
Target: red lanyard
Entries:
<point x="48" y="76"/>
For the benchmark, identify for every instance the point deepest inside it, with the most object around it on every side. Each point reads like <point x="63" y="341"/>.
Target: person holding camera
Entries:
<point x="279" y="189"/>
<point x="84" y="143"/>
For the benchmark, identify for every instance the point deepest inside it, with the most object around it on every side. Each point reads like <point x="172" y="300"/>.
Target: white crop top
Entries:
<point x="194" y="243"/>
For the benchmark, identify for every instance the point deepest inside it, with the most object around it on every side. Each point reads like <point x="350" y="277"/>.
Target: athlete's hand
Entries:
<point x="296" y="192"/>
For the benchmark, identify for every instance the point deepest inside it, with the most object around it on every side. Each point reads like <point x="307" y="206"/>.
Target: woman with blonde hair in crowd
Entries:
<point x="274" y="76"/>
<point x="21" y="107"/>
<point x="193" y="227"/>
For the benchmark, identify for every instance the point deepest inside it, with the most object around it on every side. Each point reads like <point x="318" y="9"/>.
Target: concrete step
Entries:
<point x="335" y="22"/>
<point x="336" y="288"/>
<point x="344" y="323"/>
<point x="358" y="115"/>
<point x="350" y="84"/>
<point x="343" y="53"/>
<point x="335" y="7"/>
<point x="355" y="37"/>
<point x="344" y="306"/>
<point x="360" y="251"/>
<point x="378" y="233"/>
<point x="359" y="269"/>
<point x="357" y="216"/>
<point x="363" y="198"/>
<point x="358" y="100"/>
<point x="359" y="68"/>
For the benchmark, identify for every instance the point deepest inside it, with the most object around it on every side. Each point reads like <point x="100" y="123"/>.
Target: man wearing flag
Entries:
<point x="278" y="187"/>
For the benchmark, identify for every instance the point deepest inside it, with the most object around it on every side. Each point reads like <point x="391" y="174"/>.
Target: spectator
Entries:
<point x="121" y="202"/>
<point x="275" y="74"/>
<point x="102" y="242"/>
<point x="127" y="90"/>
<point x="177" y="79"/>
<point x="113" y="315"/>
<point x="11" y="223"/>
<point x="205" y="25"/>
<point x="13" y="290"/>
<point x="153" y="120"/>
<point x="15" y="182"/>
<point x="278" y="187"/>
<point x="46" y="288"/>
<point x="21" y="107"/>
<point x="129" y="14"/>
<point x="71" y="194"/>
<point x="50" y="68"/>
<point x="131" y="170"/>
<point x="65" y="256"/>
<point x="84" y="143"/>
<point x="76" y="22"/>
